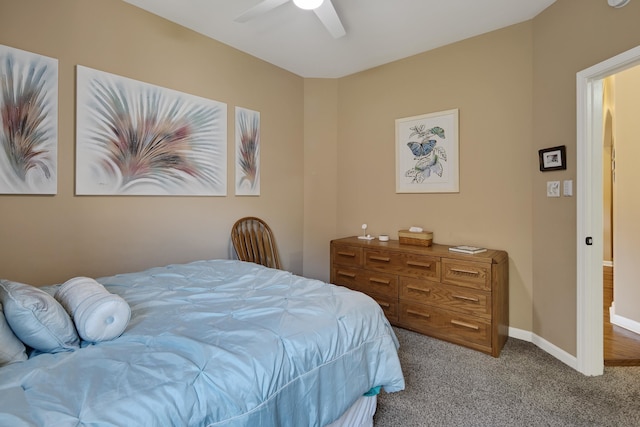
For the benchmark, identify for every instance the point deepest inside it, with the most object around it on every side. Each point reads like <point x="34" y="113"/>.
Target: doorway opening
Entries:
<point x="589" y="195"/>
<point x="620" y="213"/>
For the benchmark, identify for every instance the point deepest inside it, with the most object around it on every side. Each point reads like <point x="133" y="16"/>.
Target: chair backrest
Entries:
<point x="253" y="241"/>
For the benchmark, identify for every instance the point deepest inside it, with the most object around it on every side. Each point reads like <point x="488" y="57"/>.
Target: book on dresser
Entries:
<point x="456" y="297"/>
<point x="466" y="249"/>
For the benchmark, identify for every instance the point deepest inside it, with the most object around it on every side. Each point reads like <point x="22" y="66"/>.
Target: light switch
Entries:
<point x="553" y="188"/>
<point x="567" y="187"/>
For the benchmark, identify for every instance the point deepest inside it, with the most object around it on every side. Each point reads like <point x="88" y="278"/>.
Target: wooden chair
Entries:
<point x="253" y="241"/>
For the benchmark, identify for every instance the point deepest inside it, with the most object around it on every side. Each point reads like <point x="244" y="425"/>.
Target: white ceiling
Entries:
<point x="378" y="31"/>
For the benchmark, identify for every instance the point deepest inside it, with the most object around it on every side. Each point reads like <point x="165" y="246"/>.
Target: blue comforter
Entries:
<point x="213" y="343"/>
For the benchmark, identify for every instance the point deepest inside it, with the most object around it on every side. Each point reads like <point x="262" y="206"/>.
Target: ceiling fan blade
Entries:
<point x="329" y="17"/>
<point x="259" y="9"/>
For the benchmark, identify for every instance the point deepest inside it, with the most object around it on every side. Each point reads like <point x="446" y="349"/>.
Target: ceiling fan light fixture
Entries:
<point x="618" y="3"/>
<point x="308" y="4"/>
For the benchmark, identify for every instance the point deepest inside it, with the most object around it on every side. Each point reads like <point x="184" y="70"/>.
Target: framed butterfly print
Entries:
<point x="427" y="153"/>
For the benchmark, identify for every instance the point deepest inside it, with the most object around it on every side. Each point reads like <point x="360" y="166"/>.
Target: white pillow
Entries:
<point x="98" y="314"/>
<point x="36" y="318"/>
<point x="11" y="348"/>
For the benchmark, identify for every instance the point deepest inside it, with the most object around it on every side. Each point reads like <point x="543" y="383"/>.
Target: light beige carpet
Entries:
<point x="449" y="385"/>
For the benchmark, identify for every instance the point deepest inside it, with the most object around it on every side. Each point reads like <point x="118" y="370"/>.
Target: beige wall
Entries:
<point x="569" y="36"/>
<point x="488" y="78"/>
<point x="320" y="174"/>
<point x="515" y="89"/>
<point x="50" y="239"/>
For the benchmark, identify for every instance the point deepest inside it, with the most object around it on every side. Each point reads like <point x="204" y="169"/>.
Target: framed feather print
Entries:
<point x="427" y="153"/>
<point x="247" y="152"/>
<point x="28" y="122"/>
<point x="135" y="138"/>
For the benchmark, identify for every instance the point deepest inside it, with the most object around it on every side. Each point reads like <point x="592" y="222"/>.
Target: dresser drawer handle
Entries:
<point x="347" y="254"/>
<point x="465" y="325"/>
<point x="419" y="264"/>
<point x="379" y="281"/>
<point x="470" y="272"/>
<point x="465" y="298"/>
<point x="380" y="258"/>
<point x="415" y="288"/>
<point x="384" y="304"/>
<point x="417" y="313"/>
<point x="345" y="274"/>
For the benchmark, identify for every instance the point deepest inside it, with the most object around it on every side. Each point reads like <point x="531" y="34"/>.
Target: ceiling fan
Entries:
<point x="323" y="9"/>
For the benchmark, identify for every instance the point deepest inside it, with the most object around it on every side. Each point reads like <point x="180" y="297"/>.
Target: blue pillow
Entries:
<point x="11" y="348"/>
<point x="37" y="319"/>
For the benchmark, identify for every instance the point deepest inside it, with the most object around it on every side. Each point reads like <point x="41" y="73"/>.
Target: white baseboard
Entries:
<point x="545" y="345"/>
<point x="520" y="334"/>
<point x="623" y="322"/>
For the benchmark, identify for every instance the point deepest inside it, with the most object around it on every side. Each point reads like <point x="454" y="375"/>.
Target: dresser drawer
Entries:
<point x="369" y="282"/>
<point x="406" y="264"/>
<point x="389" y="307"/>
<point x="462" y="300"/>
<point x="470" y="274"/>
<point x="448" y="325"/>
<point x="346" y="255"/>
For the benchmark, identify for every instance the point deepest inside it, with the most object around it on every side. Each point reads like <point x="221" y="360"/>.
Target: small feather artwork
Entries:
<point x="247" y="152"/>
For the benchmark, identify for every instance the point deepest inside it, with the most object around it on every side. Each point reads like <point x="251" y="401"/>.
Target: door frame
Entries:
<point x="589" y="205"/>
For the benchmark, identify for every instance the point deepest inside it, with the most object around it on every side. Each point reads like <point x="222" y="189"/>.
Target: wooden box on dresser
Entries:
<point x="463" y="299"/>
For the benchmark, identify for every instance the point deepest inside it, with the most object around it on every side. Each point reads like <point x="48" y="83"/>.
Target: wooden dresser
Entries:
<point x="463" y="299"/>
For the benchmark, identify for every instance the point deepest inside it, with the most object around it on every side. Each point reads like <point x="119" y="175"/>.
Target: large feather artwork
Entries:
<point x="28" y="122"/>
<point x="134" y="138"/>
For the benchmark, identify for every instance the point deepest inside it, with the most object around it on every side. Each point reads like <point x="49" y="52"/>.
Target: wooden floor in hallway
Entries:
<point x="621" y="346"/>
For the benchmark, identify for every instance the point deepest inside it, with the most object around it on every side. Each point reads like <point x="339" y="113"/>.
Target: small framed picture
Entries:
<point x="553" y="159"/>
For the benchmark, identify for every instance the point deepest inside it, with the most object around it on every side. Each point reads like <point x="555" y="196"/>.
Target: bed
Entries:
<point x="215" y="343"/>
